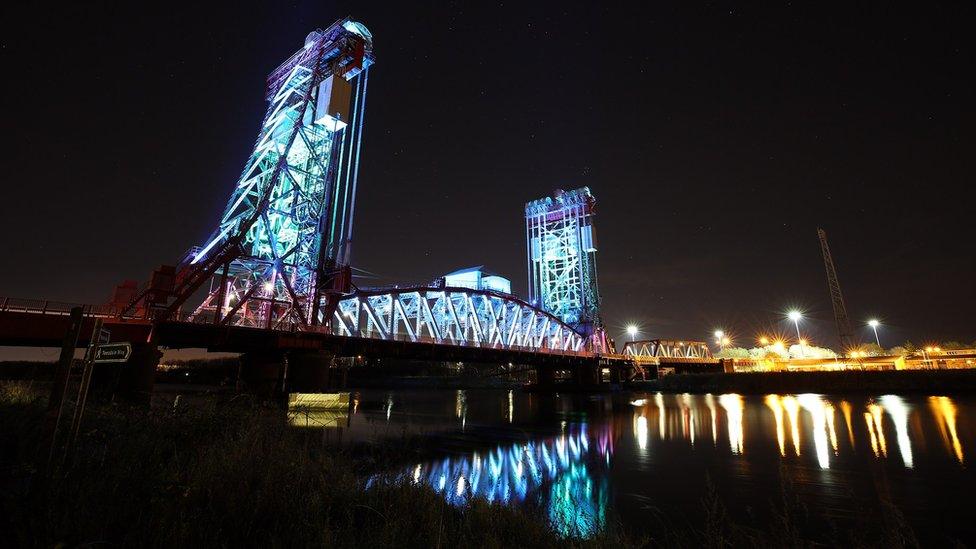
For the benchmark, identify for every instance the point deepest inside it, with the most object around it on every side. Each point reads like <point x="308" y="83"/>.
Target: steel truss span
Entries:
<point x="454" y="316"/>
<point x="666" y="348"/>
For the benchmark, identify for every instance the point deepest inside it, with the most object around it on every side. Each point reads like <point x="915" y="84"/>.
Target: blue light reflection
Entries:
<point x="559" y="473"/>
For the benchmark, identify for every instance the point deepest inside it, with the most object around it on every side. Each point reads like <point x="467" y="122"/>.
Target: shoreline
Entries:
<point x="848" y="381"/>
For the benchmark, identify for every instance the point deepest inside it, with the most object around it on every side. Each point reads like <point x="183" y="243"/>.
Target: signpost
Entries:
<point x="113" y="352"/>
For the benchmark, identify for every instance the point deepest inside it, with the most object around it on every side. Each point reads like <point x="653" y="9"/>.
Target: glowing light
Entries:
<point x="944" y="411"/>
<point x="899" y="412"/>
<point x="845" y="407"/>
<point x="511" y="408"/>
<point x="710" y="402"/>
<point x="632" y="331"/>
<point x="726" y="341"/>
<point x="776" y="405"/>
<point x="803" y="342"/>
<point x="719" y="334"/>
<point x="641" y="429"/>
<point x="792" y="408"/>
<point x="815" y="406"/>
<point x="763" y="341"/>
<point x="875" y="429"/>
<point x="794" y="315"/>
<point x="562" y="253"/>
<point x="873" y="323"/>
<point x="659" y="401"/>
<point x="268" y="286"/>
<point x="733" y="411"/>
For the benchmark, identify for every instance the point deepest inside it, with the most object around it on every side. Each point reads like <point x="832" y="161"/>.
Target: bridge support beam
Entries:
<point x="273" y="374"/>
<point x="545" y="376"/>
<point x="313" y="372"/>
<point x="588" y="375"/>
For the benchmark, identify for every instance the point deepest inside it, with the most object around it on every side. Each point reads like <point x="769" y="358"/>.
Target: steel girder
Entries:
<point x="290" y="214"/>
<point x="666" y="348"/>
<point x="454" y="316"/>
<point x="562" y="256"/>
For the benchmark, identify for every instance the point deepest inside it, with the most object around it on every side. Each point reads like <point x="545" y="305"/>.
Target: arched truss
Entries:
<point x="666" y="348"/>
<point x="453" y="316"/>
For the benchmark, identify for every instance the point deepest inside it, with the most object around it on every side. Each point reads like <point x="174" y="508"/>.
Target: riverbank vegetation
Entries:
<point x="231" y="473"/>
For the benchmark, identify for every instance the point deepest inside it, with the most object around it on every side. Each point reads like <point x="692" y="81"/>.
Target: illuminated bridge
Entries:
<point x="275" y="278"/>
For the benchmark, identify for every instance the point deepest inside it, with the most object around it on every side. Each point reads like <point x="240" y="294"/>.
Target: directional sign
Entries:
<point x="113" y="352"/>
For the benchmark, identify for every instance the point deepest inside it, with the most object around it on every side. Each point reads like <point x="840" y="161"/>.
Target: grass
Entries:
<point x="226" y="475"/>
<point x="233" y="474"/>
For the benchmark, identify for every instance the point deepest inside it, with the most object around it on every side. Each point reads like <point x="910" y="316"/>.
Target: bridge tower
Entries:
<point x="561" y="247"/>
<point x="844" y="331"/>
<point x="281" y="250"/>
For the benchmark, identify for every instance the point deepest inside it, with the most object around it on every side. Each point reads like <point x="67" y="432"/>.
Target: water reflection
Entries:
<point x="899" y="411"/>
<point x="821" y="427"/>
<point x="944" y="411"/>
<point x="733" y="411"/>
<point x="873" y="418"/>
<point x="570" y="474"/>
<point x="565" y="473"/>
<point x="795" y="418"/>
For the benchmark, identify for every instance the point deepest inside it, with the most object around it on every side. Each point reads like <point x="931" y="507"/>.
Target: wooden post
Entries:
<point x="83" y="387"/>
<point x="59" y="389"/>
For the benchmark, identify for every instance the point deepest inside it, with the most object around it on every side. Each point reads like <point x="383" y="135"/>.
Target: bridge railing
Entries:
<point x="47" y="307"/>
<point x="477" y="345"/>
<point x="60" y="308"/>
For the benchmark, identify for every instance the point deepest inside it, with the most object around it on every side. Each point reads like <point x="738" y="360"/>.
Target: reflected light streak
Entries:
<point x="733" y="411"/>
<point x="687" y="416"/>
<point x="899" y="412"/>
<point x="815" y="406"/>
<point x="944" y="411"/>
<point x="511" y="408"/>
<point x="710" y="402"/>
<point x="846" y="408"/>
<point x="659" y="400"/>
<point x="775" y="404"/>
<point x="873" y="419"/>
<point x="556" y="468"/>
<point x="641" y="429"/>
<point x="829" y="409"/>
<point x="793" y="412"/>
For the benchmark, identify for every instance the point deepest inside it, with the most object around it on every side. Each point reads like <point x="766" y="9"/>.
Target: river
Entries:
<point x="654" y="461"/>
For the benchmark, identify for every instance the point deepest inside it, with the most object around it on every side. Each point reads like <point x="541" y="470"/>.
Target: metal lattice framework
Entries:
<point x="282" y="245"/>
<point x="562" y="256"/>
<point x="454" y="316"/>
<point x="844" y="331"/>
<point x="666" y="348"/>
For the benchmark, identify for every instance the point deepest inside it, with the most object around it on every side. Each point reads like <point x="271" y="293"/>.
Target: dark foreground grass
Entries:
<point x="227" y="475"/>
<point x="233" y="474"/>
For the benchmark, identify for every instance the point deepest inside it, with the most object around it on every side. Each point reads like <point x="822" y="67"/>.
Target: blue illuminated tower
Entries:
<point x="281" y="250"/>
<point x="562" y="257"/>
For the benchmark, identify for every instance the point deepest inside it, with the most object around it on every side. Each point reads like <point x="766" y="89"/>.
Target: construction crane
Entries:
<point x="844" y="331"/>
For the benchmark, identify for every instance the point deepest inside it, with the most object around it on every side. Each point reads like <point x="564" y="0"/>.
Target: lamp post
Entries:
<point x="795" y="316"/>
<point x="873" y="323"/>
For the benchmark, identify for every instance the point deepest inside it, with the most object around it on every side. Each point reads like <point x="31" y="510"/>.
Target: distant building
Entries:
<point x="476" y="278"/>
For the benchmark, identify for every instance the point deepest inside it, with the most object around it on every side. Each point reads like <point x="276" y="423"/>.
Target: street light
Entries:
<point x="873" y="323"/>
<point x="795" y="316"/>
<point x="763" y="341"/>
<point x="632" y="331"/>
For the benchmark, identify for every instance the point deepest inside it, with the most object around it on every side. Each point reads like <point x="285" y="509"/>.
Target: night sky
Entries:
<point x="716" y="139"/>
